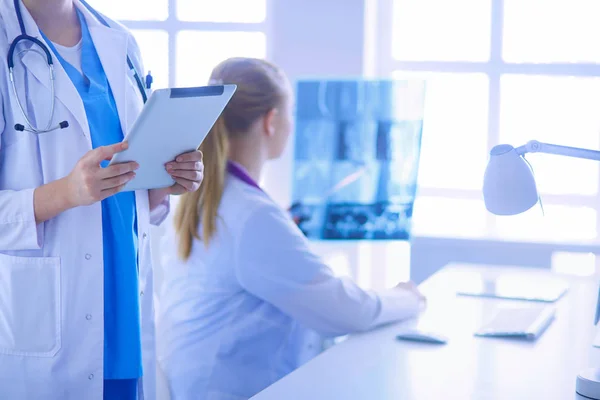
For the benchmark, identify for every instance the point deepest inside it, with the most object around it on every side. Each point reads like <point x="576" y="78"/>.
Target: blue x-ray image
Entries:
<point x="356" y="159"/>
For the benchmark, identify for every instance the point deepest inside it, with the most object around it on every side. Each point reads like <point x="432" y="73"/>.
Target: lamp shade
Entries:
<point x="508" y="184"/>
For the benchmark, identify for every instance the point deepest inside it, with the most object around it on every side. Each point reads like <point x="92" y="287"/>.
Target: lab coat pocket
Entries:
<point x="29" y="306"/>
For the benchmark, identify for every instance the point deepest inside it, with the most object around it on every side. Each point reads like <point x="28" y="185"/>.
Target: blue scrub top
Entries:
<point x="122" y="337"/>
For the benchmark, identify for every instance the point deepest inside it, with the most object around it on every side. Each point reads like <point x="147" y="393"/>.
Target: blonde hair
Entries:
<point x="261" y="87"/>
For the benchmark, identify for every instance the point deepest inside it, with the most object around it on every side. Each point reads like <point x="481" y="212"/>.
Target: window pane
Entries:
<point x="222" y="10"/>
<point x="439" y="216"/>
<point x="542" y="31"/>
<point x="133" y="10"/>
<point x="453" y="152"/>
<point x="154" y="46"/>
<point x="557" y="110"/>
<point x="441" y="30"/>
<point x="199" y="52"/>
<point x="558" y="223"/>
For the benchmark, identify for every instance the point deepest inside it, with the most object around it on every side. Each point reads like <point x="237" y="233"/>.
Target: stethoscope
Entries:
<point x="29" y="127"/>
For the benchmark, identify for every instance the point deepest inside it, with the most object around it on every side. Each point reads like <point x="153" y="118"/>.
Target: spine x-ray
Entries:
<point x="356" y="157"/>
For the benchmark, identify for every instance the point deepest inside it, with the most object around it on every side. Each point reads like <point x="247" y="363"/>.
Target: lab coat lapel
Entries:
<point x="111" y="46"/>
<point x="65" y="91"/>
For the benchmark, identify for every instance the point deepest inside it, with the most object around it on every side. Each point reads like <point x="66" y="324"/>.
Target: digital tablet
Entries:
<point x="172" y="122"/>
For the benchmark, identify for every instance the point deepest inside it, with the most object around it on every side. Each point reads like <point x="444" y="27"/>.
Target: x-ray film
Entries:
<point x="356" y="157"/>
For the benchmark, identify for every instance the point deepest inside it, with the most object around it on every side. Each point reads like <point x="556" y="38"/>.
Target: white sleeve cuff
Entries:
<point x="159" y="214"/>
<point x="397" y="304"/>
<point x="18" y="230"/>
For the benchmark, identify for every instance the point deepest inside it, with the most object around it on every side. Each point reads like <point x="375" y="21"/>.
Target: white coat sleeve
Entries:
<point x="273" y="262"/>
<point x="18" y="230"/>
<point x="160" y="213"/>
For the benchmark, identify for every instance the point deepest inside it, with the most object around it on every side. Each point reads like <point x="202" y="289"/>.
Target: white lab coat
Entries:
<point x="51" y="275"/>
<point x="255" y="304"/>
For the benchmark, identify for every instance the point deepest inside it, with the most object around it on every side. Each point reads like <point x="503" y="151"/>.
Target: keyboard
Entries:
<point x="525" y="322"/>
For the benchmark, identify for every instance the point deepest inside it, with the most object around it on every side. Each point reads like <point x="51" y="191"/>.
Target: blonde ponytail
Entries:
<point x="205" y="201"/>
<point x="261" y="87"/>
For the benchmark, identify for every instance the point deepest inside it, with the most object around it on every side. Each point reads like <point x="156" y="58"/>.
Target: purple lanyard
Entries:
<point x="238" y="171"/>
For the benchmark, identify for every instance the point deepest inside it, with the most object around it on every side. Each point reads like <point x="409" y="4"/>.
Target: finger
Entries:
<point x="188" y="185"/>
<point x="191" y="166"/>
<point x="116" y="181"/>
<point x="191" y="156"/>
<point x="189" y="175"/>
<point x="118" y="169"/>
<point x="110" y="192"/>
<point x="177" y="189"/>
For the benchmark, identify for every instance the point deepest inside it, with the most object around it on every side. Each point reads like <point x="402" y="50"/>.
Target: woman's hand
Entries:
<point x="411" y="287"/>
<point x="188" y="172"/>
<point x="89" y="183"/>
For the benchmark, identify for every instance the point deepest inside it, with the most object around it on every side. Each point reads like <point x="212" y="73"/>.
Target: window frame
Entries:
<point x="494" y="68"/>
<point x="173" y="25"/>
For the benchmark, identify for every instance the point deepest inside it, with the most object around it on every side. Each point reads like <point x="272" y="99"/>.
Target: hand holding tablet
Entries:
<point x="187" y="170"/>
<point x="173" y="124"/>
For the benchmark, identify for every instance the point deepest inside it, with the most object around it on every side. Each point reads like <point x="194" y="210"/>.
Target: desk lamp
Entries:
<point x="509" y="188"/>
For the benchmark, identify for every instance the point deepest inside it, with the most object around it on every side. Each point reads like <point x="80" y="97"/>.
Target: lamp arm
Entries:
<point x="534" y="146"/>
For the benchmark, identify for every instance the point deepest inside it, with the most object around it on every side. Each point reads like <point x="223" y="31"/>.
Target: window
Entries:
<point x="182" y="40"/>
<point x="500" y="71"/>
<point x="198" y="52"/>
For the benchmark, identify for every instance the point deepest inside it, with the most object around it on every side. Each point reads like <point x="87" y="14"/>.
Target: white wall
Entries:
<point x="312" y="38"/>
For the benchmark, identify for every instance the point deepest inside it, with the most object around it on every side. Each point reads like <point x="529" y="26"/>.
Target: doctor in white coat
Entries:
<point x="244" y="300"/>
<point x="67" y="331"/>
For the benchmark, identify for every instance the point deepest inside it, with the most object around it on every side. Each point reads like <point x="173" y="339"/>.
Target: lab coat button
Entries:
<point x="88" y="317"/>
<point x="91" y="376"/>
<point x="144" y="236"/>
<point x="142" y="293"/>
<point x="88" y="256"/>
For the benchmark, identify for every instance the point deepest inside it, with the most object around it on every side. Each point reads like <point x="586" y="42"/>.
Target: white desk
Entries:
<point x="375" y="366"/>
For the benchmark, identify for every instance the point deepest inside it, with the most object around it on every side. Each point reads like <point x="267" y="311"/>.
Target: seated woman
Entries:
<point x="244" y="301"/>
